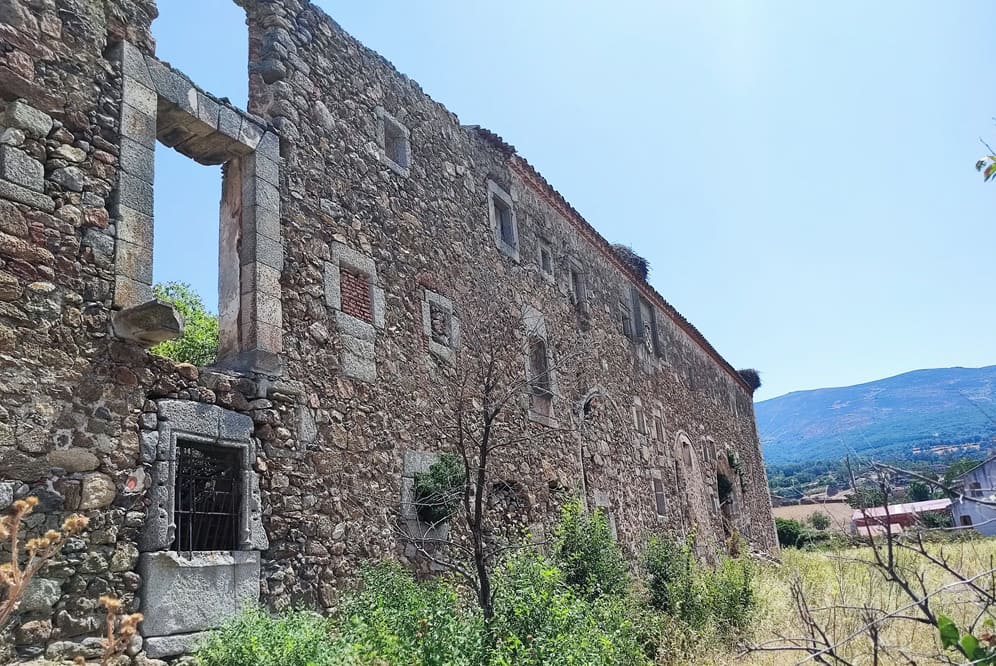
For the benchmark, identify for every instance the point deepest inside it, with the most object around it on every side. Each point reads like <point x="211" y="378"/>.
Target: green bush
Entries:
<point x="439" y="490"/>
<point x="295" y="638"/>
<point x="199" y="342"/>
<point x="541" y="619"/>
<point x="819" y="520"/>
<point x="696" y="595"/>
<point x="587" y="554"/>
<point x="674" y="580"/>
<point x="396" y="620"/>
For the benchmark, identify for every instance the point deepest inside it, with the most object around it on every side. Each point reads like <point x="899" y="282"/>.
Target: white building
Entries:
<point x="977" y="483"/>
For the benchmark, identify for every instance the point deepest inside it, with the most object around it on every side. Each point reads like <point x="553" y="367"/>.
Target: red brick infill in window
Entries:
<point x="355" y="291"/>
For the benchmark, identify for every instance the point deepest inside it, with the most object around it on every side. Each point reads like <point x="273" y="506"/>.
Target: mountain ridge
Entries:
<point x="886" y="417"/>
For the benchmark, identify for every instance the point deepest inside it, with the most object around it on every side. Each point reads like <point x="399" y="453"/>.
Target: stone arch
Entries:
<point x="586" y="406"/>
<point x="689" y="472"/>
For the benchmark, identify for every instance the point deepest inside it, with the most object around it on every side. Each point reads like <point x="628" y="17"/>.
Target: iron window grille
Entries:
<point x="208" y="497"/>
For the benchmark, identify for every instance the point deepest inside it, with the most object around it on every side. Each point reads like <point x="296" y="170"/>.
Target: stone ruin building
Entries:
<point x="351" y="203"/>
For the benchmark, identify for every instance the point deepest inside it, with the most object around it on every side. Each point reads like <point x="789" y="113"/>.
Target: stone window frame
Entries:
<point x="577" y="293"/>
<point x="497" y="194"/>
<point x="544" y="246"/>
<point x="445" y="352"/>
<point x="534" y="326"/>
<point x="385" y="123"/>
<point x="357" y="358"/>
<point x="639" y="417"/>
<point x="602" y="501"/>
<point x="658" y="432"/>
<point x="419" y="532"/>
<point x="197" y="422"/>
<point x="160" y="104"/>
<point x="186" y="593"/>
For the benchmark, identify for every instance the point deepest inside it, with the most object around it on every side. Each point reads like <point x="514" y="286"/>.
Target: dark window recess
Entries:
<point x="659" y="498"/>
<point x="539" y="381"/>
<point x="976" y="489"/>
<point x="659" y="428"/>
<point x="966" y="521"/>
<point x="546" y="261"/>
<point x="395" y="144"/>
<point x="577" y="288"/>
<point x="208" y="497"/>
<point x="503" y="214"/>
<point x="626" y="317"/>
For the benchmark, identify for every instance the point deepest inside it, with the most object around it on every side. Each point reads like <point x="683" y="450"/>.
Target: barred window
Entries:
<point x="207" y="498"/>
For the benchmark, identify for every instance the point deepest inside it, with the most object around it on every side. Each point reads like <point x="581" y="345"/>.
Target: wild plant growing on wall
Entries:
<point x="27" y="559"/>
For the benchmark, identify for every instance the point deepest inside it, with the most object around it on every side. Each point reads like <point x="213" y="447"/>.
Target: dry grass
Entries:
<point x="839" y="512"/>
<point x="843" y="588"/>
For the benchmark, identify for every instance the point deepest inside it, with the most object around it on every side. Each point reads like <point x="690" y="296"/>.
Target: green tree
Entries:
<point x="866" y="497"/>
<point x="918" y="491"/>
<point x="791" y="533"/>
<point x="957" y="468"/>
<point x="199" y="342"/>
<point x="820" y="520"/>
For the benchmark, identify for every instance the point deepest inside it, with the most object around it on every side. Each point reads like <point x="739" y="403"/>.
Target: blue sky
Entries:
<point x="800" y="175"/>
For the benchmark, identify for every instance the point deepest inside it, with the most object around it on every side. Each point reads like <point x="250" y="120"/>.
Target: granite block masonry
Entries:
<point x="353" y="209"/>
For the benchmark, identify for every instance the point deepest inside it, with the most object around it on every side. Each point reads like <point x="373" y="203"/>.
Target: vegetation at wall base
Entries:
<point x="547" y="610"/>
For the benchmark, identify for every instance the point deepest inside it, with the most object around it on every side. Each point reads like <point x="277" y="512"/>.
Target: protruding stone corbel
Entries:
<point x="147" y="324"/>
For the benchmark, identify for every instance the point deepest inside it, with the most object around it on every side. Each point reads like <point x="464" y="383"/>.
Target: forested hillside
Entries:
<point x="887" y="418"/>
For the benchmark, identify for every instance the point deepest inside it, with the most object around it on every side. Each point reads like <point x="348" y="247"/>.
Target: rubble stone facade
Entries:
<point x="353" y="206"/>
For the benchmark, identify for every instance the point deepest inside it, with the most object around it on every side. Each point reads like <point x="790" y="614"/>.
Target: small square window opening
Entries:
<point x="207" y="498"/>
<point x="357" y="298"/>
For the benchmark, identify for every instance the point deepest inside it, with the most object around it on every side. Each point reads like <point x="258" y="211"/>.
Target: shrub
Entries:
<point x="541" y="619"/>
<point x="588" y="555"/>
<point x="789" y="532"/>
<point x="820" y="520"/>
<point x="676" y="588"/>
<point x="732" y="599"/>
<point x="439" y="490"/>
<point x="696" y="595"/>
<point x="253" y="638"/>
<point x="396" y="620"/>
<point x="199" y="342"/>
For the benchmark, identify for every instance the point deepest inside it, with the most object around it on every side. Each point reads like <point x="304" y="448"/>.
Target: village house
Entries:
<point x="356" y="215"/>
<point x="978" y="483"/>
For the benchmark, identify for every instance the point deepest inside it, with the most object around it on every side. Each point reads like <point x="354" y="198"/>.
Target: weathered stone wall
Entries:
<point x="81" y="411"/>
